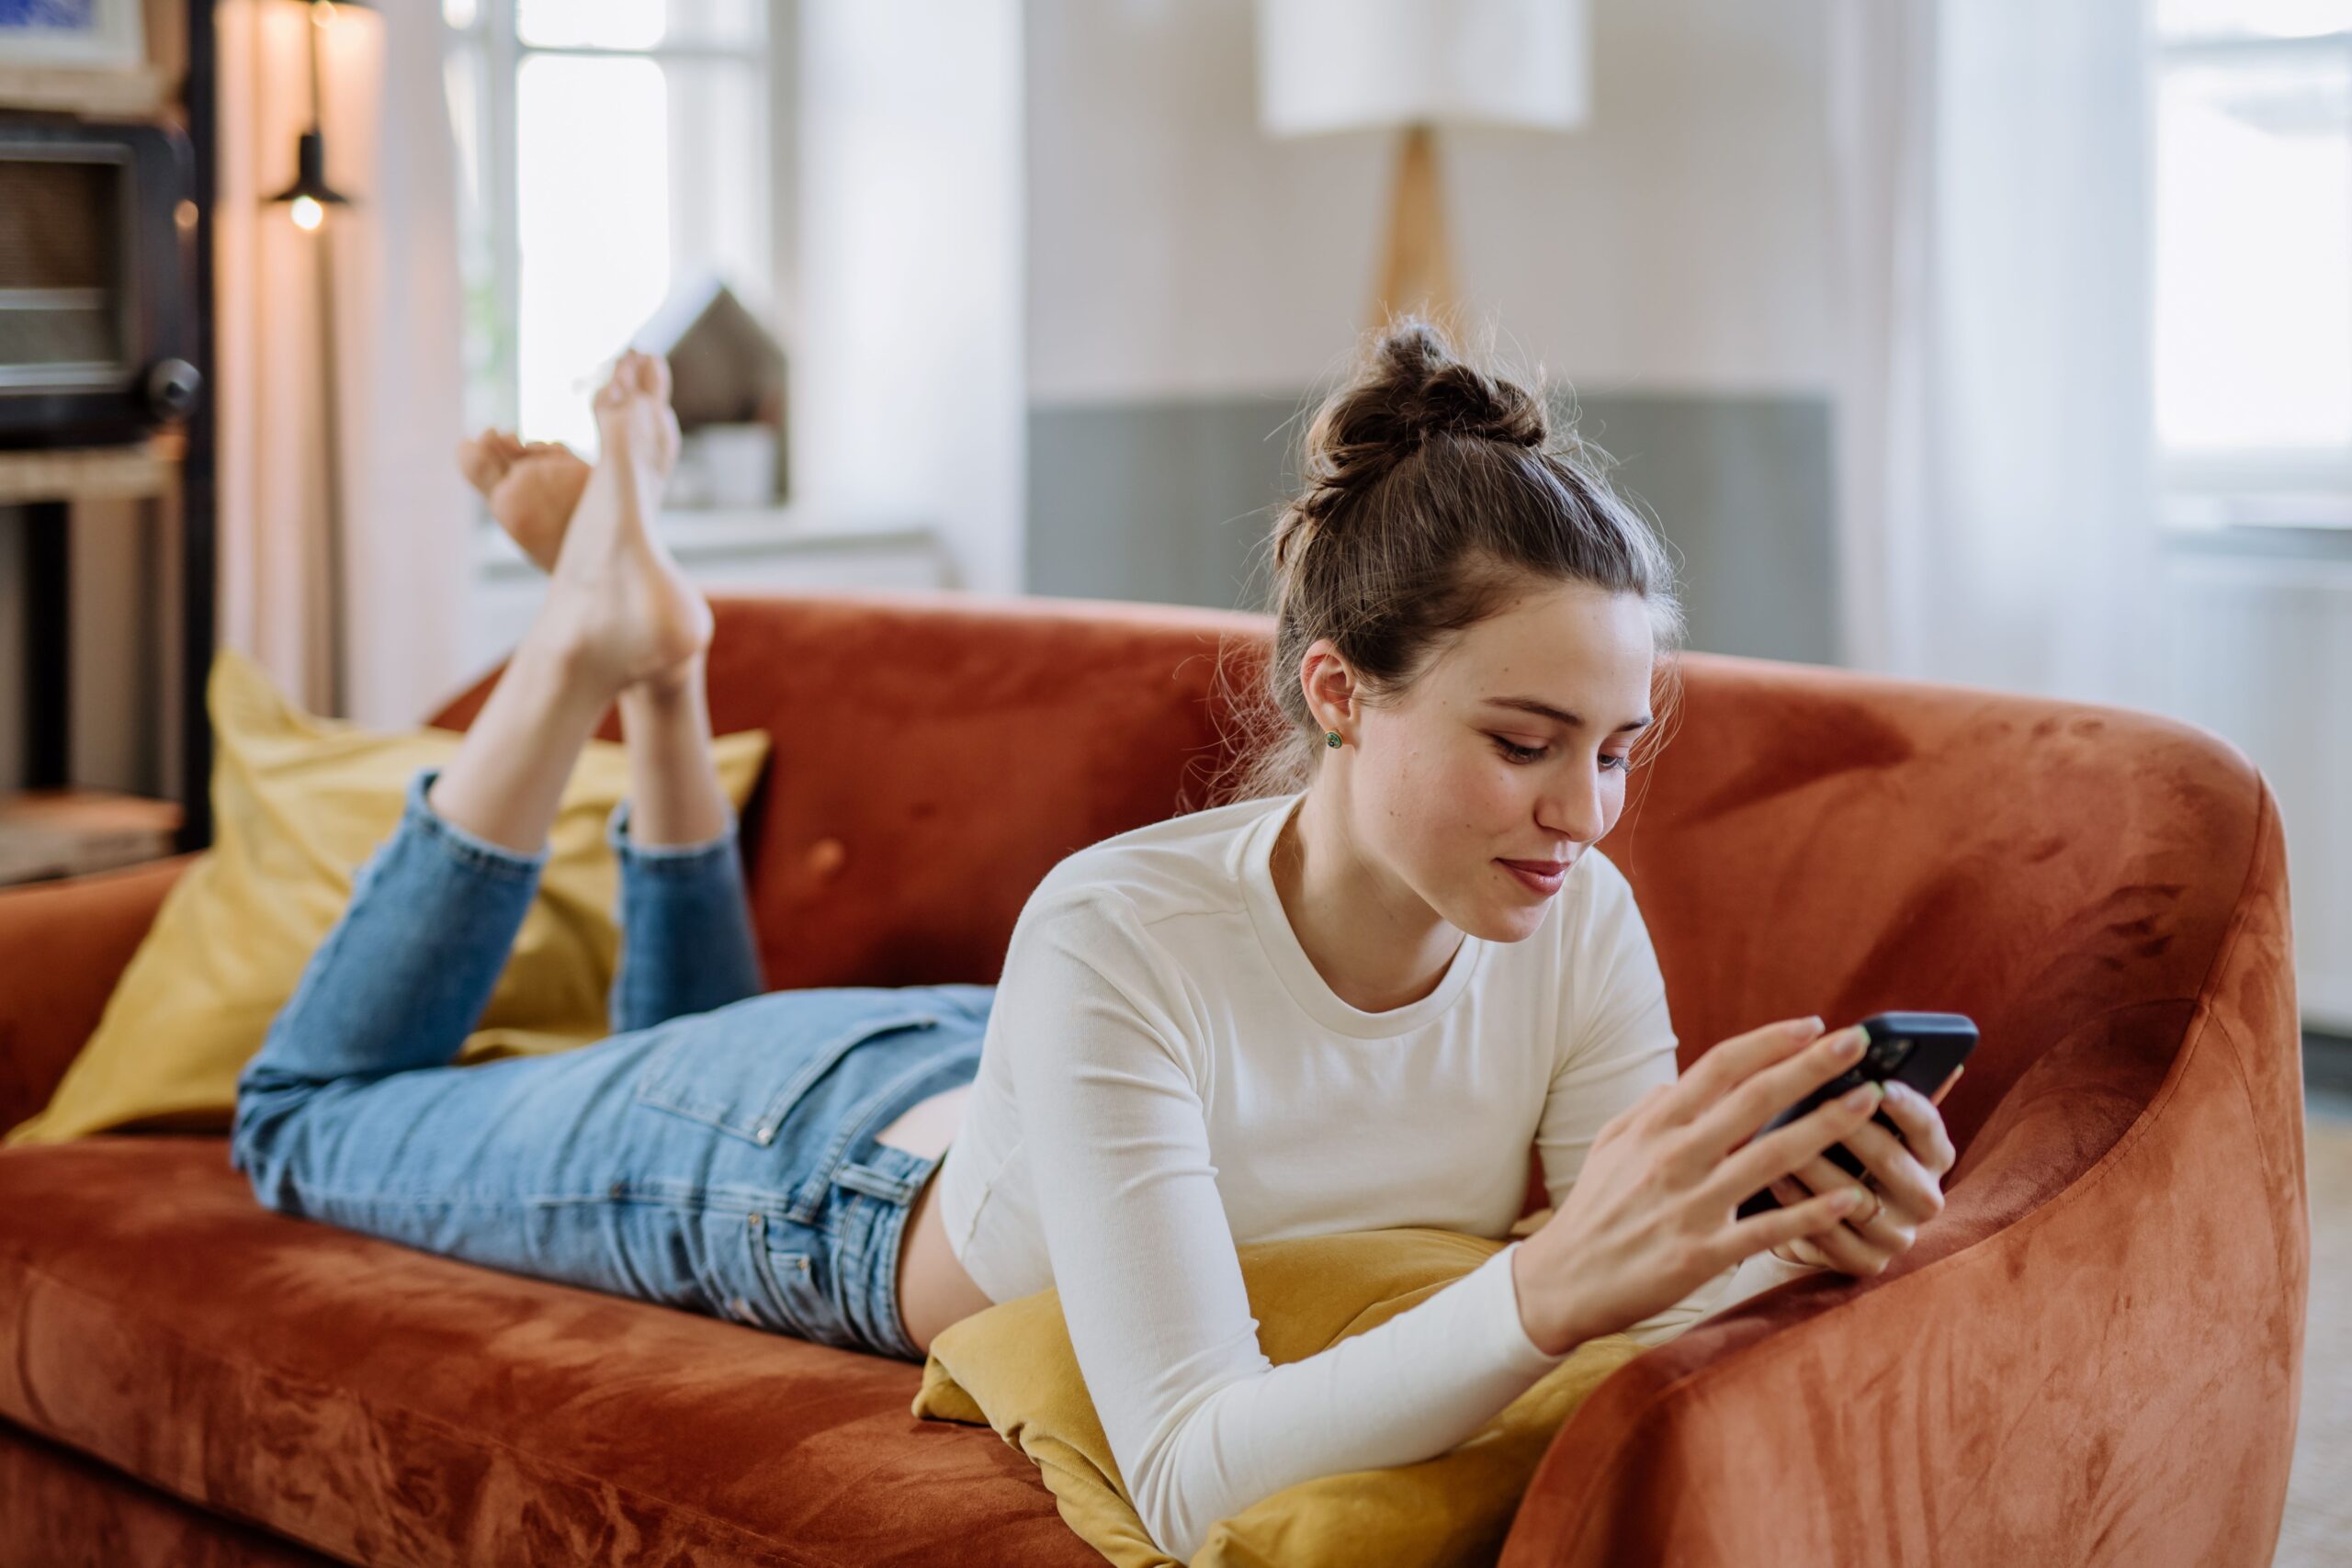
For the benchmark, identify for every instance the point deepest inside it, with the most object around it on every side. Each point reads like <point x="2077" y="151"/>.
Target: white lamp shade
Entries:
<point x="1366" y="64"/>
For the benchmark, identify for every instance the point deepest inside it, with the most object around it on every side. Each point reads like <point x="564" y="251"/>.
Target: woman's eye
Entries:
<point x="1610" y="761"/>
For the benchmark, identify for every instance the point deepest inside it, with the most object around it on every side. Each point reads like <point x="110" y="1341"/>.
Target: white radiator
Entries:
<point x="2261" y="654"/>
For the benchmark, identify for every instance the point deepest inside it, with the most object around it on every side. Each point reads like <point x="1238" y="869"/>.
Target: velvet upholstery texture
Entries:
<point x="2093" y="1355"/>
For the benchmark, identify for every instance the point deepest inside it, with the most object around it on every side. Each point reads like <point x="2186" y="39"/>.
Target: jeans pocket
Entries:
<point x="747" y="1086"/>
<point x="794" y="1272"/>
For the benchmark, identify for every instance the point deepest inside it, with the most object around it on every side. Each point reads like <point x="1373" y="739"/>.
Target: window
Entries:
<point x="2253" y="277"/>
<point x="609" y="151"/>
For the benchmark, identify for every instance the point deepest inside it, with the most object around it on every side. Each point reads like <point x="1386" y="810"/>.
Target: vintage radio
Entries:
<point x="96" y="324"/>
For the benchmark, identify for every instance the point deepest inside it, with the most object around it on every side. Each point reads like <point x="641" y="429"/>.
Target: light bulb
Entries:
<point x="307" y="213"/>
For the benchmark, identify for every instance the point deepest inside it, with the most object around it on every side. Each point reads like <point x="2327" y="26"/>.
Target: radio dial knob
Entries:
<point x="172" y="388"/>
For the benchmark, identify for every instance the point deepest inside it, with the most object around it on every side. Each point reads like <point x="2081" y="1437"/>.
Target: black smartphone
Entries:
<point x="1916" y="1048"/>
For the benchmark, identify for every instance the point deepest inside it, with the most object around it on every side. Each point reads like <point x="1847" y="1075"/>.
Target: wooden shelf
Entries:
<point x="95" y="473"/>
<point x="47" y="833"/>
<point x="141" y="93"/>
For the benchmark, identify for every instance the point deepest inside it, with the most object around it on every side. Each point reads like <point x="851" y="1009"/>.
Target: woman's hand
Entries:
<point x="1905" y="1174"/>
<point x="1653" y="1214"/>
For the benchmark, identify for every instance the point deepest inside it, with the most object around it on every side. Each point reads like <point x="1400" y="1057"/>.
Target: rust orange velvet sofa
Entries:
<point x="2091" y="1356"/>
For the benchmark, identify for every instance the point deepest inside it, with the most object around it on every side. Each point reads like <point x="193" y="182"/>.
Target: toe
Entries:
<point x="653" y="376"/>
<point x="483" y="461"/>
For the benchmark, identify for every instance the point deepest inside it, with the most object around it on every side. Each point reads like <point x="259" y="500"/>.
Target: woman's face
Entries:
<point x="1511" y="747"/>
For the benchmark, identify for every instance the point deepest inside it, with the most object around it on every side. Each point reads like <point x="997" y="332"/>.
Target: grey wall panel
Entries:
<point x="1169" y="501"/>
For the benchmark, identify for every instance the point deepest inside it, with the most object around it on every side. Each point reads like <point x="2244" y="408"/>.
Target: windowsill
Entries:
<point x="2302" y="541"/>
<point x="728" y="535"/>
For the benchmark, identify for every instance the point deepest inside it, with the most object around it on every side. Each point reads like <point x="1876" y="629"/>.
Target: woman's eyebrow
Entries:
<point x="1573" y="721"/>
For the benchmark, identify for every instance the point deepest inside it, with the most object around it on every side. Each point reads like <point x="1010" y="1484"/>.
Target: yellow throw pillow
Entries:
<point x="1010" y="1367"/>
<point x="298" y="804"/>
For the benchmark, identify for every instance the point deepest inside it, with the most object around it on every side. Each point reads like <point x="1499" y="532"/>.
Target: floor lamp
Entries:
<point x="1412" y="66"/>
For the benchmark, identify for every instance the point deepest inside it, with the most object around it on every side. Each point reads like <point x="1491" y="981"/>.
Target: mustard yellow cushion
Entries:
<point x="1010" y="1367"/>
<point x="298" y="804"/>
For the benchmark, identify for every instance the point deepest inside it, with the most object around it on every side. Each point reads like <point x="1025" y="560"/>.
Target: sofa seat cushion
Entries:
<point x="386" y="1404"/>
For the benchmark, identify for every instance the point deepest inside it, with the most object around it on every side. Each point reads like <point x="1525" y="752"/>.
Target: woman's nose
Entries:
<point x="1574" y="812"/>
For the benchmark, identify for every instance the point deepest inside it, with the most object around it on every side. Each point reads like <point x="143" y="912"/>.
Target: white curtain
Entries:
<point x="1990" y="190"/>
<point x="405" y="513"/>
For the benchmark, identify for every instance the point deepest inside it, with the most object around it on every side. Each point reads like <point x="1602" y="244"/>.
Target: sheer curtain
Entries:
<point x="405" y="561"/>
<point x="1989" y="185"/>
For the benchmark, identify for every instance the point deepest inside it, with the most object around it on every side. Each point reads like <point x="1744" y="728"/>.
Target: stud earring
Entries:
<point x="1331" y="738"/>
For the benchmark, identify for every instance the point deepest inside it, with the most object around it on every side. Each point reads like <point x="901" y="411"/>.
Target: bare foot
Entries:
<point x="616" y="598"/>
<point x="532" y="488"/>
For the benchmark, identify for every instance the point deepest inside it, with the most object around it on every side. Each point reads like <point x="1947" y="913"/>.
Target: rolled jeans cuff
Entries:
<point x="471" y="848"/>
<point x="673" y="859"/>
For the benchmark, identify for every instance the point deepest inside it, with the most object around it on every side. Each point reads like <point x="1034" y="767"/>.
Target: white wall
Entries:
<point x="1676" y="241"/>
<point x="907" y="380"/>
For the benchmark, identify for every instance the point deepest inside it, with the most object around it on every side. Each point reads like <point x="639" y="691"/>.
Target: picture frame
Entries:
<point x="93" y="35"/>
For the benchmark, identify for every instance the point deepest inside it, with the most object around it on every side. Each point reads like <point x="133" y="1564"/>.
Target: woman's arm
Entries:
<point x="1202" y="1424"/>
<point x="1618" y="1045"/>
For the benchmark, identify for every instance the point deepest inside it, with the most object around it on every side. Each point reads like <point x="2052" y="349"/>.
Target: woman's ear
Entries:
<point x="1328" y="684"/>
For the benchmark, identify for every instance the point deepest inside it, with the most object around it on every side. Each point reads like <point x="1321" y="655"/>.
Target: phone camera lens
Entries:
<point x="1888" y="1053"/>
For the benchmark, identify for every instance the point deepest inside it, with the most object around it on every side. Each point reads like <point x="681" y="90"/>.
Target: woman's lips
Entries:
<point x="1542" y="876"/>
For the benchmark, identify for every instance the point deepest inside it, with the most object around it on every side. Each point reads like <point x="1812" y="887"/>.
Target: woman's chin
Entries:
<point x="1513" y="921"/>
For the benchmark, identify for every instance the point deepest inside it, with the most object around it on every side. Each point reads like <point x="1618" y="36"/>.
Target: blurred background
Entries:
<point x="2003" y="342"/>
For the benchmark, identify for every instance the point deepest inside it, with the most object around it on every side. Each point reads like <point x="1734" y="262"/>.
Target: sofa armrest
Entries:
<point x="62" y="946"/>
<point x="2093" y="1354"/>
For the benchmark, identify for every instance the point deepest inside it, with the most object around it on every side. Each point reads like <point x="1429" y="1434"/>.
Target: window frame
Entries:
<point x="491" y="38"/>
<point x="2245" y="487"/>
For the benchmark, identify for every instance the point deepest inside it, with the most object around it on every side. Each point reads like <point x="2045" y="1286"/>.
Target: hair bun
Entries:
<point x="1413" y="388"/>
<point x="1433" y="392"/>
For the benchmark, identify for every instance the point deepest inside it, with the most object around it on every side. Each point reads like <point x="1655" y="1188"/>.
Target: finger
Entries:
<point x="1906" y="1186"/>
<point x="1731" y="1063"/>
<point x="1855" y="1244"/>
<point x="1850" y="1250"/>
<point x="1802" y="1252"/>
<point x="1783" y="1149"/>
<point x="1747" y="1106"/>
<point x="1922" y="1126"/>
<point x="1883" y="1223"/>
<point x="1774" y="1228"/>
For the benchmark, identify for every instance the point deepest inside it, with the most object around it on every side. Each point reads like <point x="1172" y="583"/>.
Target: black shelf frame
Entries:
<point x="200" y="470"/>
<point x="48" y="544"/>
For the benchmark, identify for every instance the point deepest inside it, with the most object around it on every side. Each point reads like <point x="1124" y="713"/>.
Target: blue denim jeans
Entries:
<point x="717" y="1153"/>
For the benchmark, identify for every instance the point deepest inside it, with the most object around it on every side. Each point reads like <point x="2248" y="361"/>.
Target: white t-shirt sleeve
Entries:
<point x="1621" y="1045"/>
<point x="1202" y="1424"/>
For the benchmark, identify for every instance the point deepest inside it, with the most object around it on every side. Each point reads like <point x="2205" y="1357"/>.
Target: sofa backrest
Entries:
<point x="935" y="753"/>
<point x="1810" y="840"/>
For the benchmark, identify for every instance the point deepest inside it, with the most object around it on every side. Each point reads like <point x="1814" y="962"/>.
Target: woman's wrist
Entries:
<point x="1547" y="1312"/>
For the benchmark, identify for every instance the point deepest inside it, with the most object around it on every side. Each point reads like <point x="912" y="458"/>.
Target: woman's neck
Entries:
<point x="1375" y="941"/>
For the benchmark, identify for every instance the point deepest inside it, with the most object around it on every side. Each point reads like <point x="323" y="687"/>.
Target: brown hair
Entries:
<point x="1434" y="494"/>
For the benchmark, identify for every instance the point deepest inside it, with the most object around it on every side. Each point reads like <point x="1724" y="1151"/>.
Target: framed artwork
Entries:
<point x="95" y="34"/>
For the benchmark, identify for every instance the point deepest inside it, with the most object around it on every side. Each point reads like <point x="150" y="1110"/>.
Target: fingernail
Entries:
<point x="1855" y="1099"/>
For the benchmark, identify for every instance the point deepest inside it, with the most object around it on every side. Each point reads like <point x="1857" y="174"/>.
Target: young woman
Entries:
<point x="1349" y="1001"/>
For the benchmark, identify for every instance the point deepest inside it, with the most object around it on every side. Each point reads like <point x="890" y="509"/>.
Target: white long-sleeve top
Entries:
<point x="1165" y="1075"/>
